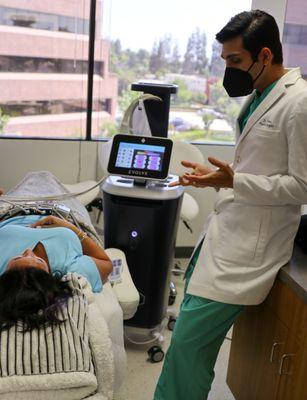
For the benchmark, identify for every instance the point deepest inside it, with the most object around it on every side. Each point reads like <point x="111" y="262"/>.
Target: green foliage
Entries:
<point x="108" y="129"/>
<point x="164" y="58"/>
<point x="217" y="64"/>
<point x="199" y="135"/>
<point x="126" y="99"/>
<point x="208" y="119"/>
<point x="185" y="97"/>
<point x="128" y="65"/>
<point x="223" y="103"/>
<point x="3" y="120"/>
<point x="195" y="59"/>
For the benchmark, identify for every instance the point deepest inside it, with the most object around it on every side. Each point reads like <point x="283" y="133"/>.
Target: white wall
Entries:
<point x="277" y="8"/>
<point x="67" y="160"/>
<point x="17" y="157"/>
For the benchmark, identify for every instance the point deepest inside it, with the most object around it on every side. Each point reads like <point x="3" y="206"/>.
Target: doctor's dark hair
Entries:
<point x="32" y="298"/>
<point x="258" y="29"/>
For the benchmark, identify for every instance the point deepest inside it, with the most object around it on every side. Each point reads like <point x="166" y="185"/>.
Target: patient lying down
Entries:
<point x="35" y="253"/>
<point x="57" y="339"/>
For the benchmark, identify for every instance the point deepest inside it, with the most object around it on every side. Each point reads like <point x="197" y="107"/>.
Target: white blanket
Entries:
<point x="73" y="360"/>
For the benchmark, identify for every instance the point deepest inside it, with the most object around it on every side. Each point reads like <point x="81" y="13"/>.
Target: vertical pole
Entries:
<point x="90" y="71"/>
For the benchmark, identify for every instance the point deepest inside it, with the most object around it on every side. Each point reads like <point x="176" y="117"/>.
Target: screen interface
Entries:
<point x="140" y="156"/>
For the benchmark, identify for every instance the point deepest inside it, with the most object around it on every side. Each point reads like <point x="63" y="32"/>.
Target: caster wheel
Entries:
<point x="179" y="270"/>
<point x="156" y="354"/>
<point x="172" y="294"/>
<point x="171" y="323"/>
<point x="171" y="300"/>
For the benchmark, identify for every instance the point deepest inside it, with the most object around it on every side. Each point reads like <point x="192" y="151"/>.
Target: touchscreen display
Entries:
<point x="140" y="156"/>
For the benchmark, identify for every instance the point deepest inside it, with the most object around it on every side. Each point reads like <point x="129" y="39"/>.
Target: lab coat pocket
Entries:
<point x="269" y="146"/>
<point x="266" y="133"/>
<point x="243" y="234"/>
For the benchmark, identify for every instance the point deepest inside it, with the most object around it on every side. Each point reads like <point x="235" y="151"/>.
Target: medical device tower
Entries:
<point x="141" y="218"/>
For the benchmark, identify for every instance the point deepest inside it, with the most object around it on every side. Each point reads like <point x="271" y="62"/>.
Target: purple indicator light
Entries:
<point x="134" y="234"/>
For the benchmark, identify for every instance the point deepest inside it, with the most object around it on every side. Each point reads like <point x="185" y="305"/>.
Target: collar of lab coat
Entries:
<point x="278" y="91"/>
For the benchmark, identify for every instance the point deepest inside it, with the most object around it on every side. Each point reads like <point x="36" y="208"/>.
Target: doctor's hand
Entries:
<point x="198" y="169"/>
<point x="203" y="176"/>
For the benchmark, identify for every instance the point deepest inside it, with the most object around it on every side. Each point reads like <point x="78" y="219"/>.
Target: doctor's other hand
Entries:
<point x="198" y="169"/>
<point x="203" y="176"/>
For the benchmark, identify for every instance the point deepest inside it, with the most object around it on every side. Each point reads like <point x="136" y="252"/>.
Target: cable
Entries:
<point x="13" y="204"/>
<point x="146" y="342"/>
<point x="64" y="196"/>
<point x="155" y="334"/>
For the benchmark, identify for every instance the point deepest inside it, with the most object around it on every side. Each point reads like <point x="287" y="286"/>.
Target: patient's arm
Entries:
<point x="102" y="261"/>
<point x="89" y="246"/>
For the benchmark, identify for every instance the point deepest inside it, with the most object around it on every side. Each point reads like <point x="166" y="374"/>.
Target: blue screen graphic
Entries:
<point x="140" y="156"/>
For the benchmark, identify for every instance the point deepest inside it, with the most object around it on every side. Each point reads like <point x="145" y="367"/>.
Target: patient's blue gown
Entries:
<point x="62" y="246"/>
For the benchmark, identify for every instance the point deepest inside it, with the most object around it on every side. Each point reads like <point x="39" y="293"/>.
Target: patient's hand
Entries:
<point x="54" y="222"/>
<point x="1" y="191"/>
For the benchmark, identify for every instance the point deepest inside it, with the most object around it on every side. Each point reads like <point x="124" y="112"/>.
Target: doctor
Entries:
<point x="250" y="234"/>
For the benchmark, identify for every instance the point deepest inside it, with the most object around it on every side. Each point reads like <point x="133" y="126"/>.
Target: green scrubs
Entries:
<point x="200" y="329"/>
<point x="258" y="98"/>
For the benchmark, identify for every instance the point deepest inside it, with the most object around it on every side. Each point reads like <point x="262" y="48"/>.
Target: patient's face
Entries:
<point x="26" y="260"/>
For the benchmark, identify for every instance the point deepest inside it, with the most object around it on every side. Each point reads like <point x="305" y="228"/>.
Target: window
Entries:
<point x="44" y="70"/>
<point x="295" y="35"/>
<point x="44" y="66"/>
<point x="173" y="42"/>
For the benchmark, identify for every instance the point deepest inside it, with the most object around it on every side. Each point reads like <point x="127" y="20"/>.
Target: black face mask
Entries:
<point x="238" y="82"/>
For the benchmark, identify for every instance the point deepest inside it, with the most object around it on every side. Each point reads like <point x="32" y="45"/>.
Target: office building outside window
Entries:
<point x="295" y="35"/>
<point x="44" y="66"/>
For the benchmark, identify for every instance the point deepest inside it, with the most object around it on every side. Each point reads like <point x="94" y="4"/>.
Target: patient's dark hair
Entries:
<point x="31" y="296"/>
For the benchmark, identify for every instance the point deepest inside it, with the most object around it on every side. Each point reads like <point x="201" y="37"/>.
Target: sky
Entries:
<point x="138" y="23"/>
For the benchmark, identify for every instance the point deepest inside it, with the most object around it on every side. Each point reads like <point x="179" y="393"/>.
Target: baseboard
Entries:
<point x="183" y="252"/>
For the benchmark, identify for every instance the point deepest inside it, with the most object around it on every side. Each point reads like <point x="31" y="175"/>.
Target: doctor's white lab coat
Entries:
<point x="250" y="233"/>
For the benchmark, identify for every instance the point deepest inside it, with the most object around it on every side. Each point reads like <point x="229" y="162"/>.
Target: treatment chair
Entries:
<point x="189" y="209"/>
<point x="51" y="377"/>
<point x="185" y="151"/>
